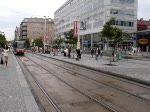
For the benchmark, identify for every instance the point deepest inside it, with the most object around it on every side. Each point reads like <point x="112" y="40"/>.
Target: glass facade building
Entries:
<point x="95" y="13"/>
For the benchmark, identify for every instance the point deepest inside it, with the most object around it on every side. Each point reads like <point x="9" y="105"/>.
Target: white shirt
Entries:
<point x="5" y="53"/>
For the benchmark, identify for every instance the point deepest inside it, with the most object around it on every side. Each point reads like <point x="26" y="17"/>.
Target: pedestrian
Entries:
<point x="96" y="54"/>
<point x="64" y="51"/>
<point x="92" y="52"/>
<point x="54" y="51"/>
<point x="5" y="56"/>
<point x="113" y="53"/>
<point x="1" y="58"/>
<point x="101" y="53"/>
<point x="69" y="52"/>
<point x="78" y="54"/>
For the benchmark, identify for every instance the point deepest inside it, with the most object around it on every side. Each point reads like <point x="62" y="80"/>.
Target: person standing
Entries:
<point x="54" y="51"/>
<point x="5" y="56"/>
<point x="69" y="52"/>
<point x="96" y="54"/>
<point x="92" y="52"/>
<point x="78" y="54"/>
<point x="101" y="53"/>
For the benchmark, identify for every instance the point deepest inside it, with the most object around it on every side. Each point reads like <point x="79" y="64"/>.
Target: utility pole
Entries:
<point x="44" y="35"/>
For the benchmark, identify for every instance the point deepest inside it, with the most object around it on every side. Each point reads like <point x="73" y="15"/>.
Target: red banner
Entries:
<point x="75" y="28"/>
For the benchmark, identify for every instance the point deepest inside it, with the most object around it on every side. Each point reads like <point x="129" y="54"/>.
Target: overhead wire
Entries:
<point x="14" y="11"/>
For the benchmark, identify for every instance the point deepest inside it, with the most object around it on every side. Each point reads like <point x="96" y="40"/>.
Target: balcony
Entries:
<point x="24" y="29"/>
<point x="24" y="33"/>
<point x="24" y="24"/>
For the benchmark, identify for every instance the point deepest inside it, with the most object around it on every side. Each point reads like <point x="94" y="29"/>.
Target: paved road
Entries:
<point x="137" y="69"/>
<point x="15" y="94"/>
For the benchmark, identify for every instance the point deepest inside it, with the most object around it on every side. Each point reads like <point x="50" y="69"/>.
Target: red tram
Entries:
<point x="19" y="47"/>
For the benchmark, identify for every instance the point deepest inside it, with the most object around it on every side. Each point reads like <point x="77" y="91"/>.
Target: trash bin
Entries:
<point x="120" y="56"/>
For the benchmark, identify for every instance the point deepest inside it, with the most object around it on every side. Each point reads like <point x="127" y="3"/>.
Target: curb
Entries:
<point x="106" y="72"/>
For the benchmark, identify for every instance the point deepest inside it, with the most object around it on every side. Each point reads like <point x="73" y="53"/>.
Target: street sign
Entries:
<point x="143" y="41"/>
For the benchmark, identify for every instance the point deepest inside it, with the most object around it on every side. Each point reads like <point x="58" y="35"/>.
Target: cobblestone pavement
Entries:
<point x="137" y="69"/>
<point x="15" y="95"/>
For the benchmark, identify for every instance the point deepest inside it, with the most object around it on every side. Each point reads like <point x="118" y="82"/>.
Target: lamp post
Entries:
<point x="44" y="34"/>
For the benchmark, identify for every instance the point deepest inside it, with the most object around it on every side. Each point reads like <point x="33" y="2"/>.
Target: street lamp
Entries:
<point x="44" y="35"/>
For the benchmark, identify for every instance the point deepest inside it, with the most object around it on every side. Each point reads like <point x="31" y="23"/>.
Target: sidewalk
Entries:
<point x="15" y="95"/>
<point x="134" y="69"/>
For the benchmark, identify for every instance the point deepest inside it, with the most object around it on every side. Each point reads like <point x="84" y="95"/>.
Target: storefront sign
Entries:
<point x="143" y="41"/>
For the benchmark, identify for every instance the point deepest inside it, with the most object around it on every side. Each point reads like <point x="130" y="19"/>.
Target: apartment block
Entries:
<point x="94" y="14"/>
<point x="17" y="33"/>
<point x="33" y="28"/>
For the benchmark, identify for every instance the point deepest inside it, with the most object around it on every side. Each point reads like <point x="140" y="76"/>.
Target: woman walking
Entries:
<point x="5" y="56"/>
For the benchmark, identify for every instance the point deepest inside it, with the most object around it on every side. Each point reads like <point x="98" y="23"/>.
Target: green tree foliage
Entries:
<point x="38" y="42"/>
<point x="3" y="41"/>
<point x="73" y="40"/>
<point x="70" y="38"/>
<point x="27" y="43"/>
<point x="112" y="33"/>
<point x="58" y="41"/>
<point x="108" y="30"/>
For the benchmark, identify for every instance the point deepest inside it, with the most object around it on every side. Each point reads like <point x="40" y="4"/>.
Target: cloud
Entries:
<point x="8" y="33"/>
<point x="12" y="12"/>
<point x="143" y="9"/>
<point x="4" y="13"/>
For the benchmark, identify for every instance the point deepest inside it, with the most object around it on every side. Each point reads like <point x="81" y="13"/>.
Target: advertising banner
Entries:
<point x="75" y="28"/>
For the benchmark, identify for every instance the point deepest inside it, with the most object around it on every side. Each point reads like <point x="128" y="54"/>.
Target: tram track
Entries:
<point x="112" y="86"/>
<point x="127" y="81"/>
<point x="81" y="90"/>
<point x="54" y="102"/>
<point x="50" y="98"/>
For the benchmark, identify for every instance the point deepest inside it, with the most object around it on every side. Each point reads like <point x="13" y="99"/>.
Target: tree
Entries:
<point x="108" y="30"/>
<point x="27" y="43"/>
<point x="58" y="41"/>
<point x="70" y="38"/>
<point x="119" y="36"/>
<point x="3" y="41"/>
<point x="38" y="42"/>
<point x="113" y="34"/>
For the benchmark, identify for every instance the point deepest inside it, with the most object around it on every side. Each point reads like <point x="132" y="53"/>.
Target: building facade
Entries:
<point x="17" y="33"/>
<point x="95" y="13"/>
<point x="33" y="28"/>
<point x="143" y="24"/>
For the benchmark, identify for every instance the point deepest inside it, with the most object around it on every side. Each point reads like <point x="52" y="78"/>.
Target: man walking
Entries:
<point x="96" y="54"/>
<point x="92" y="52"/>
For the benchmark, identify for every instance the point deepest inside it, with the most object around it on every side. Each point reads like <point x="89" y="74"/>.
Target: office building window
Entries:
<point x="126" y="1"/>
<point x="123" y="1"/>
<point x="123" y="23"/>
<point x="122" y="12"/>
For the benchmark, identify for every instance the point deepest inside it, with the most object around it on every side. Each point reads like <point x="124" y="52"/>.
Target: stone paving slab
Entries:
<point x="15" y="95"/>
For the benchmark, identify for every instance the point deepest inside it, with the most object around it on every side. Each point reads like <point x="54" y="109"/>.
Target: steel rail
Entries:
<point x="81" y="91"/>
<point x="50" y="98"/>
<point x="122" y="90"/>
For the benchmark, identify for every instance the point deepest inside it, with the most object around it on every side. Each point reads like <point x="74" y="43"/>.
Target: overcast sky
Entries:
<point x="12" y="12"/>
